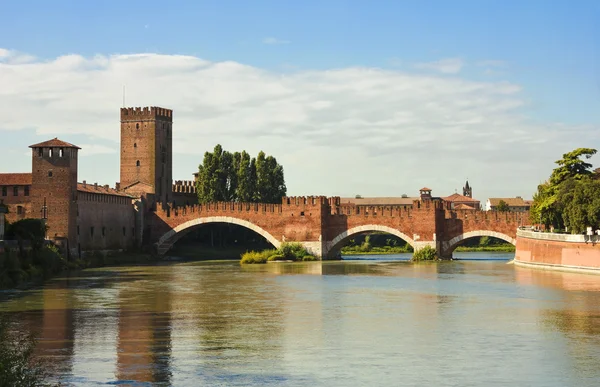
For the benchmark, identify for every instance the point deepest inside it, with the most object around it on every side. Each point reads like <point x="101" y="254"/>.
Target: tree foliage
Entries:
<point x="565" y="200"/>
<point x="502" y="206"/>
<point x="225" y="176"/>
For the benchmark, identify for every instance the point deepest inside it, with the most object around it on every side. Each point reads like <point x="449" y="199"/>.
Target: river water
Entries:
<point x="362" y="322"/>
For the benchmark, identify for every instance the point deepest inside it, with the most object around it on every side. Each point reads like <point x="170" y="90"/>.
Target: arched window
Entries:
<point x="137" y="163"/>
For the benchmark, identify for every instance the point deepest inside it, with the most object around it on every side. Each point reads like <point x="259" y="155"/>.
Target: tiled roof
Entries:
<point x="100" y="189"/>
<point x="54" y="143"/>
<point x="463" y="206"/>
<point x="15" y="178"/>
<point x="459" y="198"/>
<point x="512" y="202"/>
<point x="379" y="201"/>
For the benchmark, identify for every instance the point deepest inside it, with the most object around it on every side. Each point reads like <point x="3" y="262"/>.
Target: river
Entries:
<point x="368" y="321"/>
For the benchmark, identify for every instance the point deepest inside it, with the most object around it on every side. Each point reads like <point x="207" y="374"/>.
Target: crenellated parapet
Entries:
<point x="139" y="113"/>
<point x="304" y="200"/>
<point x="511" y="217"/>
<point x="184" y="186"/>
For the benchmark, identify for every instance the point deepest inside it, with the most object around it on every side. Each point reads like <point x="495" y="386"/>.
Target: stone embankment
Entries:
<point x="558" y="251"/>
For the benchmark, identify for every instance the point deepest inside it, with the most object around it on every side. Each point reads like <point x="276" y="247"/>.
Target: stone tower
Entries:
<point x="467" y="190"/>
<point x="54" y="189"/>
<point x="146" y="152"/>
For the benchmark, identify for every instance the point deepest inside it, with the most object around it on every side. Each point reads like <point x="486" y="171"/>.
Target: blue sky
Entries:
<point x="550" y="50"/>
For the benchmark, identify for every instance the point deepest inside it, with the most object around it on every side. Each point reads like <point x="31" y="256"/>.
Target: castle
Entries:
<point x="84" y="217"/>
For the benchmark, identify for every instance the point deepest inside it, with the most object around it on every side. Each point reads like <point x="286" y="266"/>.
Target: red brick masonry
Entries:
<point x="558" y="251"/>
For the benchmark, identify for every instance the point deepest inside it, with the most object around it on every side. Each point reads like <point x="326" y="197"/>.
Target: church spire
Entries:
<point x="467" y="190"/>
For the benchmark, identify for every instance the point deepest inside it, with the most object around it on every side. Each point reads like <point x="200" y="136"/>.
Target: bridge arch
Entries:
<point x="167" y="240"/>
<point x="337" y="242"/>
<point x="452" y="243"/>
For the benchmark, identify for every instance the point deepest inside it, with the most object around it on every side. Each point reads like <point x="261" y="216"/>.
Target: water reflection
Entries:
<point x="313" y="323"/>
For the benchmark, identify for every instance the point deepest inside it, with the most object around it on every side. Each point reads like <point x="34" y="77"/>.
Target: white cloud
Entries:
<point x="342" y="131"/>
<point x="445" y="66"/>
<point x="272" y="40"/>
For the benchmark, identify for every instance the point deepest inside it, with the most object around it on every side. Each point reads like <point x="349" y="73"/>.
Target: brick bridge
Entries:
<point x="324" y="226"/>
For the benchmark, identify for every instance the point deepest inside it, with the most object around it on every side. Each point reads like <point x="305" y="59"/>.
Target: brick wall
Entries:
<point x="19" y="206"/>
<point x="112" y="219"/>
<point x="54" y="178"/>
<point x="146" y="150"/>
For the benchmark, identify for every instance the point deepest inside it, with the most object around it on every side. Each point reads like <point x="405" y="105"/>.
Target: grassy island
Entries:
<point x="291" y="251"/>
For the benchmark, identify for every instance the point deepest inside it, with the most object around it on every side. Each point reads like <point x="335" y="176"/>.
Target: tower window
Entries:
<point x="15" y="191"/>
<point x="61" y="152"/>
<point x="137" y="163"/>
<point x="50" y="152"/>
<point x="26" y="190"/>
<point x="19" y="210"/>
<point x="4" y="191"/>
<point x="137" y="126"/>
<point x="40" y="152"/>
<point x="135" y="144"/>
<point x="49" y="173"/>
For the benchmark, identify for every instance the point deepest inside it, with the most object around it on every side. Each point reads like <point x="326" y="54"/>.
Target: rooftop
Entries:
<point x="54" y="143"/>
<point x="459" y="198"/>
<point x="100" y="189"/>
<point x="15" y="178"/>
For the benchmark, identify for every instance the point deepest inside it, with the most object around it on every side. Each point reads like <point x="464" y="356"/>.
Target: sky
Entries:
<point x="371" y="98"/>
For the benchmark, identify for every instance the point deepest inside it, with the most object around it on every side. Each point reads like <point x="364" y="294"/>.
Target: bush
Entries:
<point x="292" y="251"/>
<point x="276" y="257"/>
<point x="288" y="251"/>
<point x="427" y="253"/>
<point x="16" y="365"/>
<point x="257" y="256"/>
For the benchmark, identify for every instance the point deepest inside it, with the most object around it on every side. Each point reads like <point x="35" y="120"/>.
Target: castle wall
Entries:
<point x="105" y="222"/>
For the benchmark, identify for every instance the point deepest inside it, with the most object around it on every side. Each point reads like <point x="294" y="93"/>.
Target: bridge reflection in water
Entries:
<point x="219" y="323"/>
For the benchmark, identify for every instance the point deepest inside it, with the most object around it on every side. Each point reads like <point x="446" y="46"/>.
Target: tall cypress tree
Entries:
<point x="244" y="192"/>
<point x="262" y="178"/>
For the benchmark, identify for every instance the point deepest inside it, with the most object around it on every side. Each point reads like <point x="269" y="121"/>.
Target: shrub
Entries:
<point x="16" y="364"/>
<point x="292" y="251"/>
<point x="309" y="258"/>
<point x="427" y="253"/>
<point x="257" y="257"/>
<point x="276" y="257"/>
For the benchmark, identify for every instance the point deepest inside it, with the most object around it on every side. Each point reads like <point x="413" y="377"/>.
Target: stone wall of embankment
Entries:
<point x="558" y="251"/>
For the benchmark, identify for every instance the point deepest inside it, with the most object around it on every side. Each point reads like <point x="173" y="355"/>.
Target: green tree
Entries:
<point x="579" y="204"/>
<point x="225" y="176"/>
<point x="244" y="190"/>
<point x="546" y="208"/>
<point x="502" y="206"/>
<point x="262" y="178"/>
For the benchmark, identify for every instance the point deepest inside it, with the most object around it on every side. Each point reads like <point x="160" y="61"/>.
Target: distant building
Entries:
<point x="464" y="201"/>
<point x="514" y="204"/>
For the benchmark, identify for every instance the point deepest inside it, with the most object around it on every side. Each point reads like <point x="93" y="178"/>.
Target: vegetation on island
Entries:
<point x="288" y="251"/>
<point x="570" y="199"/>
<point x="426" y="253"/>
<point x="236" y="177"/>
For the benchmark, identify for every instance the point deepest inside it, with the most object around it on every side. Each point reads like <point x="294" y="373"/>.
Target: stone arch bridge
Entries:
<point x="323" y="225"/>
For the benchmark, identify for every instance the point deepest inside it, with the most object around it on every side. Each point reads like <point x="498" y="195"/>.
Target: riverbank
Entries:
<point x="505" y="248"/>
<point x="33" y="268"/>
<point x="502" y="248"/>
